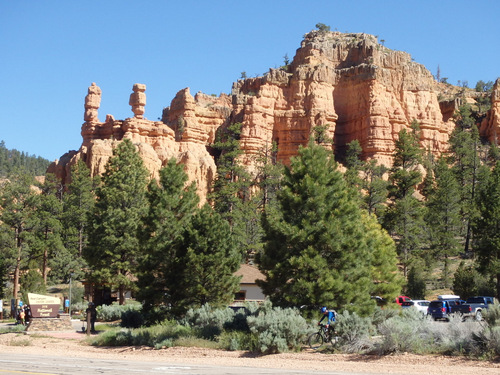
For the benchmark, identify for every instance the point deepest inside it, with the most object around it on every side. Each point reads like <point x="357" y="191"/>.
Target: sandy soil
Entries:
<point x="75" y="345"/>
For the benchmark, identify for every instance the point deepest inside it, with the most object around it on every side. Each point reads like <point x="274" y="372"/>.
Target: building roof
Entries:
<point x="249" y="274"/>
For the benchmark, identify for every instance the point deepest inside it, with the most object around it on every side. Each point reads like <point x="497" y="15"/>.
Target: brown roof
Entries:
<point x="249" y="273"/>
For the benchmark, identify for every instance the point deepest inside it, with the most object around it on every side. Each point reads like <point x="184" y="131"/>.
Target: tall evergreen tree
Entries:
<point x="374" y="186"/>
<point x="232" y="182"/>
<point x="171" y="208"/>
<point x="316" y="250"/>
<point x="206" y="261"/>
<point x="403" y="217"/>
<point x="47" y="239"/>
<point x="113" y="243"/>
<point x="386" y="280"/>
<point x="18" y="203"/>
<point x="486" y="228"/>
<point x="464" y="143"/>
<point x="78" y="203"/>
<point x="443" y="217"/>
<point x="353" y="164"/>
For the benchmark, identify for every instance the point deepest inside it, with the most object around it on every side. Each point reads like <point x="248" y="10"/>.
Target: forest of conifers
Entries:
<point x="320" y="236"/>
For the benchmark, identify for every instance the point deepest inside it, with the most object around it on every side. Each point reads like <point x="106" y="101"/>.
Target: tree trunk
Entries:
<point x="121" y="292"/>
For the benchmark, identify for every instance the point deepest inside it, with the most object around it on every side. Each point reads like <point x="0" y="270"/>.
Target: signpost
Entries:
<point x="43" y="306"/>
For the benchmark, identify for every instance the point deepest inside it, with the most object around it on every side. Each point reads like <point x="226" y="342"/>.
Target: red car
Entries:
<point x="401" y="299"/>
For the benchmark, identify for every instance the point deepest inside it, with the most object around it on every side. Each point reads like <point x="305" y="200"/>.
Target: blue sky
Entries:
<point x="51" y="51"/>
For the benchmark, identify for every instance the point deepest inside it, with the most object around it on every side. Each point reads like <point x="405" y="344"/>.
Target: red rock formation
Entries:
<point x="490" y="127"/>
<point x="349" y="83"/>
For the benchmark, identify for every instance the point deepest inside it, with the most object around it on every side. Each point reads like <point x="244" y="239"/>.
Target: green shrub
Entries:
<point x="167" y="343"/>
<point x="14" y="328"/>
<point x="208" y="321"/>
<point x="407" y="332"/>
<point x="110" y="313"/>
<point x="149" y="336"/>
<point x="132" y="318"/>
<point x="237" y="340"/>
<point x="457" y="337"/>
<point x="381" y="315"/>
<point x="353" y="331"/>
<point x="492" y="315"/>
<point x="278" y="330"/>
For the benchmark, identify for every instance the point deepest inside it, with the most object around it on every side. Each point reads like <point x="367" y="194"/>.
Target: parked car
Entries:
<point x="477" y="305"/>
<point x="401" y="299"/>
<point x="441" y="309"/>
<point x="420" y="304"/>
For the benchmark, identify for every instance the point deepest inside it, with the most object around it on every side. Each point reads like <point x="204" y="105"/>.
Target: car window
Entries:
<point x="436" y="304"/>
<point x="423" y="303"/>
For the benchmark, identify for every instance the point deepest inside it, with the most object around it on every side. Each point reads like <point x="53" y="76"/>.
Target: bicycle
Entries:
<point x="317" y="339"/>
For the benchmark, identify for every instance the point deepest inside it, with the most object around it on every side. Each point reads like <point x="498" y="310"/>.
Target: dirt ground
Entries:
<point x="75" y="345"/>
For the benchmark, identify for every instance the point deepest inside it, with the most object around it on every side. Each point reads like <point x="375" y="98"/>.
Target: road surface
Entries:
<point x="18" y="364"/>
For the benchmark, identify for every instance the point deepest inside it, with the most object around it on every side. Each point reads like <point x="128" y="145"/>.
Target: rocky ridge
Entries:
<point x="349" y="83"/>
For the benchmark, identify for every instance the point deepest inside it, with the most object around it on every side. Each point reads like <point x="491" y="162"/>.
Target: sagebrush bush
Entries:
<point x="149" y="336"/>
<point x="238" y="340"/>
<point x="455" y="337"/>
<point x="407" y="332"/>
<point x="110" y="313"/>
<point x="353" y="332"/>
<point x="278" y="330"/>
<point x="208" y="321"/>
<point x="381" y="315"/>
<point x="492" y="315"/>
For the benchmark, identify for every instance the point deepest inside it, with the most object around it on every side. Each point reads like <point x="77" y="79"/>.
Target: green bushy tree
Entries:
<point x="316" y="250"/>
<point x="206" y="261"/>
<point x="171" y="207"/>
<point x="113" y="242"/>
<point x="443" y="217"/>
<point x="18" y="203"/>
<point x="485" y="228"/>
<point x="403" y="217"/>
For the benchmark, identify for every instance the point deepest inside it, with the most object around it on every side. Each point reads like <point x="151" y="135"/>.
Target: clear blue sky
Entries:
<point x="51" y="51"/>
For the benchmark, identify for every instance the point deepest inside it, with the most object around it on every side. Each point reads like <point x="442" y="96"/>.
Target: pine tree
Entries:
<point x="374" y="186"/>
<point x="78" y="203"/>
<point x="47" y="239"/>
<point x="206" y="262"/>
<point x="171" y="207"/>
<point x="386" y="280"/>
<point x="316" y="250"/>
<point x="486" y="226"/>
<point x="113" y="242"/>
<point x="403" y="217"/>
<point x="18" y="203"/>
<point x="232" y="182"/>
<point x="354" y="165"/>
<point x="464" y="144"/>
<point x="443" y="220"/>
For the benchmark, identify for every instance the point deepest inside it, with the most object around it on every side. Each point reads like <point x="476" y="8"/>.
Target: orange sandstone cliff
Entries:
<point x="349" y="83"/>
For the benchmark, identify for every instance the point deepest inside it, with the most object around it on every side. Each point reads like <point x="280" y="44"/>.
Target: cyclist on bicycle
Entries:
<point x="329" y="315"/>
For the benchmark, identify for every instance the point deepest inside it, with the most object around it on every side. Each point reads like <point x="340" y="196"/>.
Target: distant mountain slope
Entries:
<point x="11" y="161"/>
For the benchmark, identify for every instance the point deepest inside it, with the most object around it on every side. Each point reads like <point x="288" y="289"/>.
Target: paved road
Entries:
<point x="16" y="364"/>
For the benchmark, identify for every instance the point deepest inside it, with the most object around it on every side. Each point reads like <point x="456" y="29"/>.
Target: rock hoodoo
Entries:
<point x="349" y="83"/>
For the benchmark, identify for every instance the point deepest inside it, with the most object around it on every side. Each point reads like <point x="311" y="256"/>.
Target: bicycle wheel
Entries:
<point x="315" y="340"/>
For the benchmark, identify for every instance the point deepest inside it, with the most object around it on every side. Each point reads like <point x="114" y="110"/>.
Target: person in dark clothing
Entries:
<point x="92" y="312"/>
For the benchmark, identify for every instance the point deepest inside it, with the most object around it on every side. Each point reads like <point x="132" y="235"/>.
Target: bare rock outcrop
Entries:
<point x="350" y="84"/>
<point x="490" y="127"/>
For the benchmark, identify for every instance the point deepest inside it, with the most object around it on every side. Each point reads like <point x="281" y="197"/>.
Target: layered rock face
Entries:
<point x="490" y="127"/>
<point x="347" y="83"/>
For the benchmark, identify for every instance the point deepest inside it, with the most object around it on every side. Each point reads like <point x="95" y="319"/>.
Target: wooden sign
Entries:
<point x="43" y="306"/>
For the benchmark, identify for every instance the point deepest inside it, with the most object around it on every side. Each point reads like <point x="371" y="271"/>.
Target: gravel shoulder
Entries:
<point x="76" y="345"/>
